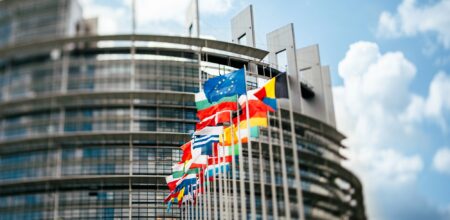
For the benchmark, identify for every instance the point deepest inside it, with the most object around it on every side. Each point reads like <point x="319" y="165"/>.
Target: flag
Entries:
<point x="230" y="149"/>
<point x="178" y="170"/>
<point x="223" y="116"/>
<point x="281" y="86"/>
<point x="206" y="108"/>
<point x="210" y="130"/>
<point x="208" y="121"/>
<point x="215" y="119"/>
<point x="255" y="121"/>
<point x="257" y="111"/>
<point x="173" y="196"/>
<point x="255" y="106"/>
<point x="217" y="168"/>
<point x="171" y="182"/>
<point x="203" y="144"/>
<point x="185" y="181"/>
<point x="225" y="85"/>
<point x="273" y="89"/>
<point x="226" y="139"/>
<point x="202" y="103"/>
<point x="180" y="197"/>
<point x="186" y="148"/>
<point x="200" y="161"/>
<point x="227" y="150"/>
<point x="217" y="160"/>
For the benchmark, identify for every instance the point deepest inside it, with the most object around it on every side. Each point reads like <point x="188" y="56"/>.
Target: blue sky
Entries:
<point x="390" y="63"/>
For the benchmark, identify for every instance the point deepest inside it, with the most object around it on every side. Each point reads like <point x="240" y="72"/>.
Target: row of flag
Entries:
<point x="229" y="116"/>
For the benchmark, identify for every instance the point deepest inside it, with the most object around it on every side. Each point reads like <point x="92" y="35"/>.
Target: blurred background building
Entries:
<point x="90" y="130"/>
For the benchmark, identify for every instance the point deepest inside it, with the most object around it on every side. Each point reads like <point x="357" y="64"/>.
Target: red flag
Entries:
<point x="202" y="114"/>
<point x="223" y="116"/>
<point x="257" y="109"/>
<point x="215" y="119"/>
<point x="208" y="121"/>
<point x="186" y="152"/>
<point x="217" y="160"/>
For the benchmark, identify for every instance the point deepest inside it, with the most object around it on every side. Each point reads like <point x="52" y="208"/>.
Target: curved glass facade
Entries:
<point x="91" y="133"/>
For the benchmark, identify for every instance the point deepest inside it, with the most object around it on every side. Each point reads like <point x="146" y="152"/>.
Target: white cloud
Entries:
<point x="411" y="19"/>
<point x="375" y="92"/>
<point x="441" y="160"/>
<point x="435" y="106"/>
<point x="151" y="16"/>
<point x="438" y="100"/>
<point x="379" y="113"/>
<point x="111" y="20"/>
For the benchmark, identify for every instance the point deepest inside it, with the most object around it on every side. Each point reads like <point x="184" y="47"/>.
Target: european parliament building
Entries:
<point x="90" y="125"/>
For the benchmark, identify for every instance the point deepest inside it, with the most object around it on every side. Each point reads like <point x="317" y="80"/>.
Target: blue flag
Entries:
<point x="204" y="143"/>
<point x="226" y="85"/>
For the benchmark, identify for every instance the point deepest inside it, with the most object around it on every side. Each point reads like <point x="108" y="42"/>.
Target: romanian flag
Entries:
<point x="206" y="109"/>
<point x="273" y="89"/>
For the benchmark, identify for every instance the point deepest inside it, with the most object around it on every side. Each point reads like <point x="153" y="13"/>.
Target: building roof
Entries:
<point x="198" y="42"/>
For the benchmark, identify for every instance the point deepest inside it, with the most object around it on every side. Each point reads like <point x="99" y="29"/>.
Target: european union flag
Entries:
<point x="226" y="85"/>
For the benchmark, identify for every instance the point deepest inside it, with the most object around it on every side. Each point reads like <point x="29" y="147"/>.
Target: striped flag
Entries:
<point x="206" y="109"/>
<point x="203" y="144"/>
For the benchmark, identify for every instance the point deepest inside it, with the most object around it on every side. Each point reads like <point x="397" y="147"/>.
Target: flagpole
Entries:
<point x="233" y="171"/>
<point x="187" y="204"/>
<point x="193" y="205"/>
<point x="225" y="184"/>
<point x="206" y="192"/>
<point x="196" y="202"/>
<point x="190" y="203"/>
<point x="241" y="169"/>
<point x="209" y="194"/>
<point x="219" y="179"/>
<point x="203" y="210"/>
<point x="250" y="154"/>
<point x="215" y="193"/>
